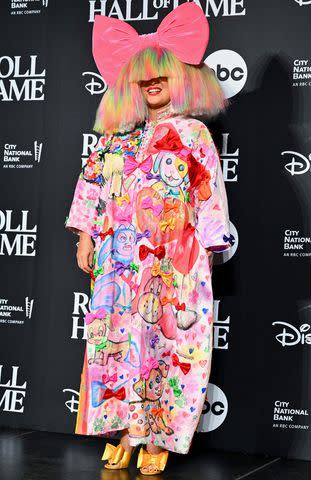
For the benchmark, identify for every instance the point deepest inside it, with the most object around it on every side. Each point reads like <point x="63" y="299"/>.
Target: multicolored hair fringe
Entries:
<point x="194" y="91"/>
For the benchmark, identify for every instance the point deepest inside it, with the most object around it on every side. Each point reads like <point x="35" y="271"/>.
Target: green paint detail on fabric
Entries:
<point x="174" y="383"/>
<point x="102" y="344"/>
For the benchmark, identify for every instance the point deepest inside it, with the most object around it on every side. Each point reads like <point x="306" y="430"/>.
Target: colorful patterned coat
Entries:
<point x="153" y="201"/>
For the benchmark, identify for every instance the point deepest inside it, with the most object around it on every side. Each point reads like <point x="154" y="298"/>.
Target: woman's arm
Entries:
<point x="83" y="210"/>
<point x="83" y="213"/>
<point x="213" y="226"/>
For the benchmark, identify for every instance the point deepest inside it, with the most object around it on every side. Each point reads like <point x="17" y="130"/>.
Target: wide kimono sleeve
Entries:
<point x="212" y="213"/>
<point x="83" y="209"/>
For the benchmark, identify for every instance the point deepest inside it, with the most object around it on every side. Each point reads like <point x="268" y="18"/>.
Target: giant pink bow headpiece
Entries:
<point x="184" y="31"/>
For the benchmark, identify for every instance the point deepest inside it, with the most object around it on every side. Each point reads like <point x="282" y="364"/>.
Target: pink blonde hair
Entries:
<point x="194" y="91"/>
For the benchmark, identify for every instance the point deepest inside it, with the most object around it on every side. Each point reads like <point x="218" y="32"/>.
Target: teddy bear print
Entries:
<point x="150" y="391"/>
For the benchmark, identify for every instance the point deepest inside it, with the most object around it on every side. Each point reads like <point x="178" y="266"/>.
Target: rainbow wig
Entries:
<point x="194" y="91"/>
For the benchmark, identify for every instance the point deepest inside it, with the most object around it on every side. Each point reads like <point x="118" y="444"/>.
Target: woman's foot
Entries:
<point x="124" y="443"/>
<point x="151" y="468"/>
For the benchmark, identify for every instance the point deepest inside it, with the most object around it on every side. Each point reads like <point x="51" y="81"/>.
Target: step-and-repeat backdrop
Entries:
<point x="259" y="396"/>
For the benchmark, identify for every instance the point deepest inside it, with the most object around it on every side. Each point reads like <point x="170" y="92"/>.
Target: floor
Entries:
<point x="34" y="455"/>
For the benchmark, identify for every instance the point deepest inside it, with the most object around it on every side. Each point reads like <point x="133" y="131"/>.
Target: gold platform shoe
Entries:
<point x="117" y="456"/>
<point x="158" y="462"/>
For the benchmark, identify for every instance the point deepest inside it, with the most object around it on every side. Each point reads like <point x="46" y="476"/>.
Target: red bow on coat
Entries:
<point x="185" y="367"/>
<point x="171" y="142"/>
<point x="158" y="252"/>
<point x="119" y="394"/>
<point x="105" y="234"/>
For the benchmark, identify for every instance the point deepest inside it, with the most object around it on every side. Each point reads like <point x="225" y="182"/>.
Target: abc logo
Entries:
<point x="214" y="411"/>
<point x="230" y="69"/>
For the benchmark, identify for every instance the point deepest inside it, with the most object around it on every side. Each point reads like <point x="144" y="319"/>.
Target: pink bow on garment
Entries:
<point x="151" y="363"/>
<point x="109" y="378"/>
<point x="130" y="165"/>
<point x="184" y="31"/>
<point x="147" y="203"/>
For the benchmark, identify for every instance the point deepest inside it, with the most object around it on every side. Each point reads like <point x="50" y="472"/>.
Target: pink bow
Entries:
<point x="131" y="165"/>
<point x="109" y="378"/>
<point x="147" y="203"/>
<point x="150" y="363"/>
<point x="184" y="31"/>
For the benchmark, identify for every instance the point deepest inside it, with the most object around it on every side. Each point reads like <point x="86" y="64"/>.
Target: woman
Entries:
<point x="152" y="198"/>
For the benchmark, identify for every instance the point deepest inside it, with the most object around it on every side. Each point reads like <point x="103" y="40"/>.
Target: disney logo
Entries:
<point x="290" y="335"/>
<point x="72" y="402"/>
<point x="300" y="165"/>
<point x="303" y="2"/>
<point x="95" y="86"/>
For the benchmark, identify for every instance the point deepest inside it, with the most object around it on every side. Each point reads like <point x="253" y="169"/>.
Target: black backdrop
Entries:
<point x="260" y="387"/>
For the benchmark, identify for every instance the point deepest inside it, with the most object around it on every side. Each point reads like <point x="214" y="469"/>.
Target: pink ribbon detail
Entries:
<point x="131" y="165"/>
<point x="109" y="378"/>
<point x="150" y="363"/>
<point x="147" y="203"/>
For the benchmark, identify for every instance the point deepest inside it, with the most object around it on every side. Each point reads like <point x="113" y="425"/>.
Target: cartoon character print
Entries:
<point x="113" y="172"/>
<point x="170" y="164"/>
<point x="150" y="390"/>
<point x="148" y="303"/>
<point x="172" y="169"/>
<point x="113" y="165"/>
<point x="185" y="319"/>
<point x="116" y="248"/>
<point x="120" y="245"/>
<point x="105" y="348"/>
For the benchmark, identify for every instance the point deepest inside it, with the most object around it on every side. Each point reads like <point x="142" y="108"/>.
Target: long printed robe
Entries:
<point x="153" y="201"/>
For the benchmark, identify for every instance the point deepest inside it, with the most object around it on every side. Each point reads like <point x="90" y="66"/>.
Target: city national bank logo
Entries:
<point x="298" y="164"/>
<point x="96" y="84"/>
<point x="230" y="69"/>
<point x="214" y="411"/>
<point x="28" y="7"/>
<point x="301" y="73"/>
<point x="149" y="10"/>
<point x="12" y="393"/>
<point x="21" y="79"/>
<point x="290" y="417"/>
<point x="15" y="314"/>
<point x="17" y="238"/>
<point x="15" y="156"/>
<point x="295" y="244"/>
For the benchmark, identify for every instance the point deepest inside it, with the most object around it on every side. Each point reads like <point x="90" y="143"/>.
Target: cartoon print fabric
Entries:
<point x="153" y="200"/>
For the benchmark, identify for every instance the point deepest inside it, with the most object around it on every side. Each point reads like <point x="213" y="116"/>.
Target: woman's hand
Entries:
<point x="210" y="258"/>
<point x="85" y="252"/>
